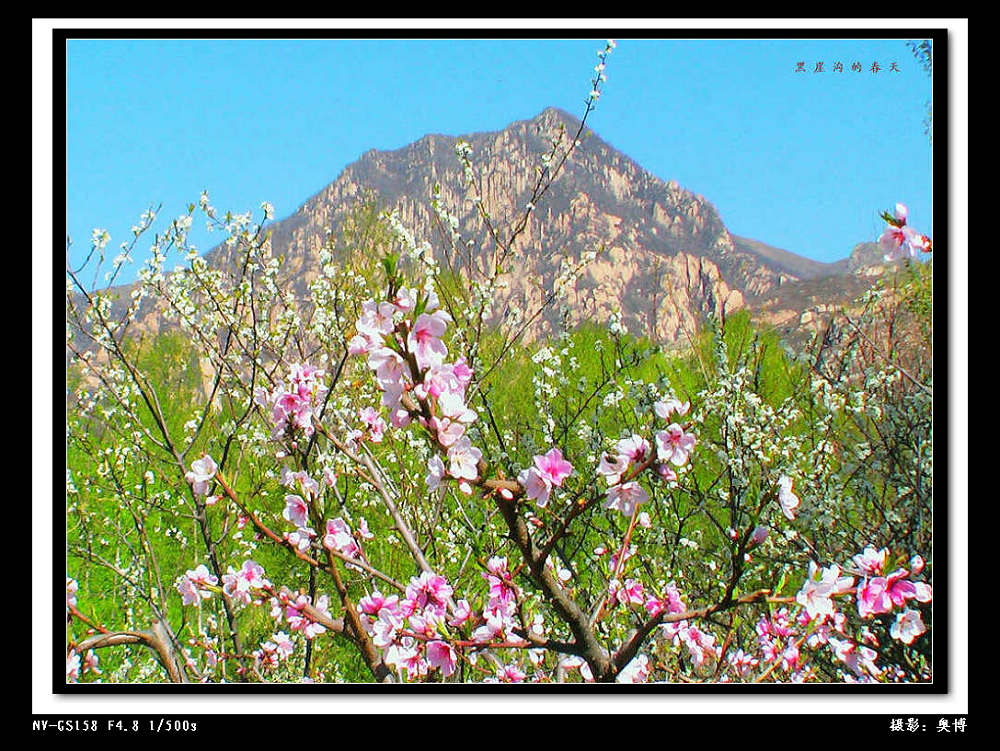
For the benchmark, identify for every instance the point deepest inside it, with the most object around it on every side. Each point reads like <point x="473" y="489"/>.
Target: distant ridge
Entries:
<point x="791" y="263"/>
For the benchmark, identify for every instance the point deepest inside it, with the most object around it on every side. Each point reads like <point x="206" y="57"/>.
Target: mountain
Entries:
<point x="665" y="259"/>
<point x="789" y="263"/>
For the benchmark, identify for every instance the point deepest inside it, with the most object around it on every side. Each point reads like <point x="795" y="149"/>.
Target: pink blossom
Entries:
<point x="742" y="661"/>
<point x="873" y="597"/>
<point x="790" y="656"/>
<point x="296" y="510"/>
<point x="201" y="575"/>
<point x="503" y="593"/>
<point x="907" y="626"/>
<point x="375" y="423"/>
<point x="362" y="344"/>
<point x="429" y="590"/>
<point x="700" y="645"/>
<point x="201" y="472"/>
<point x="637" y="671"/>
<point x="339" y="538"/>
<point x="674" y="445"/>
<point x="446" y="378"/>
<point x="871" y="562"/>
<point x="425" y="623"/>
<point x="463" y="459"/>
<point x="899" y="240"/>
<point x="612" y="467"/>
<point x="922" y="592"/>
<point x="758" y="535"/>
<point x="398" y="418"/>
<point x="537" y="486"/>
<point x="510" y="674"/>
<point x="452" y="405"/>
<point x="496" y="623"/>
<point x="190" y="594"/>
<point x="71" y="589"/>
<point x="788" y="500"/>
<point x="283" y="644"/>
<point x="297" y="619"/>
<point x="373" y="603"/>
<point x="376" y="319"/>
<point x="819" y="587"/>
<point x="861" y="660"/>
<point x="435" y="472"/>
<point x="552" y="466"/>
<point x="90" y="662"/>
<point x="462" y="372"/>
<point x="190" y="585"/>
<point x="631" y="592"/>
<point x="664" y="472"/>
<point x="626" y="497"/>
<point x="72" y="666"/>
<point x="390" y="369"/>
<point x="238" y="584"/>
<point x="301" y="538"/>
<point x="447" y="431"/>
<point x="670" y="406"/>
<point x="425" y="339"/>
<point x="461" y="613"/>
<point x="363" y="531"/>
<point x="675" y="603"/>
<point x="635" y="448"/>
<point x="405" y="299"/>
<point x="441" y="655"/>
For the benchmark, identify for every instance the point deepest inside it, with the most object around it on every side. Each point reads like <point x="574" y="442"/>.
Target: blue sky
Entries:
<point x="803" y="161"/>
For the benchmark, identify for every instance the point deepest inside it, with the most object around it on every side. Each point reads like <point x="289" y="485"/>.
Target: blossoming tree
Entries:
<point x="332" y="487"/>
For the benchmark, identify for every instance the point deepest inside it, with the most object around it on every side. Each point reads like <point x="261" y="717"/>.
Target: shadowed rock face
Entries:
<point x="665" y="258"/>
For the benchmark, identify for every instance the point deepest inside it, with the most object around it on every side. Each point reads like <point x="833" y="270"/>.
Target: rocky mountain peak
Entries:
<point x="664" y="258"/>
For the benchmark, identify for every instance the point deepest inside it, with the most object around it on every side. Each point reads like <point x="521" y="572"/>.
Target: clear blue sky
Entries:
<point x="803" y="161"/>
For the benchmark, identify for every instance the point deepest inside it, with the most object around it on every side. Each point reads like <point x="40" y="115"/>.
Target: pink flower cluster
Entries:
<point x="776" y="640"/>
<point x="296" y="510"/>
<point x="673" y="447"/>
<point x="673" y="444"/>
<point x="820" y="587"/>
<point x="412" y="632"/>
<point x="293" y="404"/>
<point x="629" y="593"/>
<point x="191" y="585"/>
<point x="549" y="471"/>
<point x="858" y="658"/>
<point x="393" y="344"/>
<point x="373" y="422"/>
<point x="240" y="585"/>
<point x="75" y="666"/>
<point x="340" y="537"/>
<point x="700" y="645"/>
<point x="637" y="671"/>
<point x="501" y="609"/>
<point x="880" y="593"/>
<point x="292" y="606"/>
<point x="900" y="240"/>
<point x="612" y="466"/>
<point x="279" y="647"/>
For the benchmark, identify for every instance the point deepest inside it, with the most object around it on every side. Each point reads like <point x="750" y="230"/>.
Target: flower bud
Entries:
<point x="665" y="472"/>
<point x="758" y="535"/>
